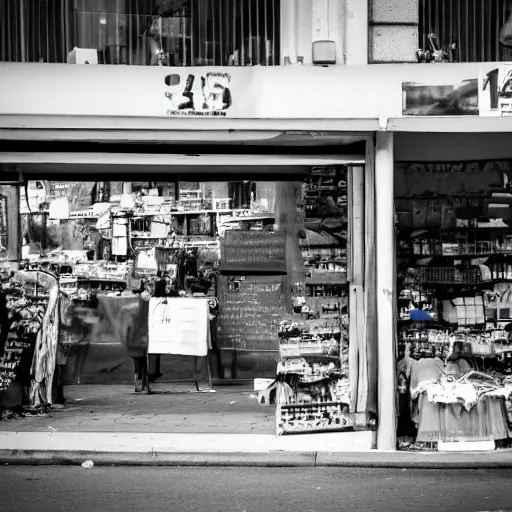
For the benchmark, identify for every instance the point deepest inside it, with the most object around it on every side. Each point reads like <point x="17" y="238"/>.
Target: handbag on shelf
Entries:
<point x="483" y="348"/>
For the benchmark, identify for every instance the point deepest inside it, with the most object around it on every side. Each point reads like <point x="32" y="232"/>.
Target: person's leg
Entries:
<point x="154" y="367"/>
<point x="139" y="364"/>
<point x="58" y="387"/>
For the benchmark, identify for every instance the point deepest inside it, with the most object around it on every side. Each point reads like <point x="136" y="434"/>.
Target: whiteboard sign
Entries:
<point x="179" y="326"/>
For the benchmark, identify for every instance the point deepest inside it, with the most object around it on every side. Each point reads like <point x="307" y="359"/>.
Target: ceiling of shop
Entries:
<point x="87" y="166"/>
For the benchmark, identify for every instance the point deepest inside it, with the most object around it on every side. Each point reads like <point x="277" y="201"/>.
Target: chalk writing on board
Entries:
<point x="250" y="313"/>
<point x="15" y="353"/>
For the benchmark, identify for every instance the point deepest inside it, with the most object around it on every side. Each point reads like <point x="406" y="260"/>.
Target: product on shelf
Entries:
<point x="312" y="374"/>
<point x="454" y="308"/>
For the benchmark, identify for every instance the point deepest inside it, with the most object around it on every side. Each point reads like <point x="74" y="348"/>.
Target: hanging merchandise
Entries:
<point x="29" y="335"/>
<point x="454" y="330"/>
<point x="45" y="357"/>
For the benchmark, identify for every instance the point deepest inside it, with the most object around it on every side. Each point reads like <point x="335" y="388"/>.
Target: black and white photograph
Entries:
<point x="256" y="255"/>
<point x="441" y="100"/>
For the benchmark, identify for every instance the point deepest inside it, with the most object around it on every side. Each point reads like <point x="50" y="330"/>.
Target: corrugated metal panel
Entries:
<point x="143" y="32"/>
<point x="473" y="25"/>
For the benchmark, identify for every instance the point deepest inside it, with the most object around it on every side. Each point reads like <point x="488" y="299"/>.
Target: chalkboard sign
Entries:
<point x="253" y="251"/>
<point x="250" y="310"/>
<point x="17" y="358"/>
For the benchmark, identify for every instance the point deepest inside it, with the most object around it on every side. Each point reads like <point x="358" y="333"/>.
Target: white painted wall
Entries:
<point x="393" y="30"/>
<point x="343" y="21"/>
<point x="356" y="31"/>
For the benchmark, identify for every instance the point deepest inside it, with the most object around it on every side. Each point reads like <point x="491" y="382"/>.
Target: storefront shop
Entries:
<point x="264" y="220"/>
<point x="353" y="309"/>
<point x="453" y="267"/>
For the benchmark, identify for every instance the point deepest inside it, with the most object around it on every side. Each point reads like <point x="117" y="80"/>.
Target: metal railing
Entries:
<point x="473" y="26"/>
<point x="152" y="32"/>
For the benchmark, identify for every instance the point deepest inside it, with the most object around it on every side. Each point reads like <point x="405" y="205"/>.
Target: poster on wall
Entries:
<point x="495" y="91"/>
<point x="179" y="326"/>
<point x="459" y="99"/>
<point x="207" y="94"/>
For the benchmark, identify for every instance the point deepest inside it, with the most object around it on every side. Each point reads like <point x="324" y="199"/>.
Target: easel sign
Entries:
<point x="180" y="326"/>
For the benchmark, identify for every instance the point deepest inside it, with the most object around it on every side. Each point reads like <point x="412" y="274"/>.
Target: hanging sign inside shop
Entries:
<point x="420" y="179"/>
<point x="83" y="214"/>
<point x="495" y="89"/>
<point x="246" y="250"/>
<point x="179" y="326"/>
<point x="198" y="95"/>
<point x="457" y="99"/>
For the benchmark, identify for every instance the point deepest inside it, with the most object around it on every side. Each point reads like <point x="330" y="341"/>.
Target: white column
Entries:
<point x="356" y="32"/>
<point x="385" y="240"/>
<point x="328" y="18"/>
<point x="288" y="31"/>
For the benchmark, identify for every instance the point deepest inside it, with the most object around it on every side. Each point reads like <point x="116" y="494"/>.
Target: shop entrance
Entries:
<point x="453" y="286"/>
<point x="279" y="262"/>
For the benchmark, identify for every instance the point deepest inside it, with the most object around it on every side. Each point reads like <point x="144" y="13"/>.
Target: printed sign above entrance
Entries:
<point x="198" y="95"/>
<point x="495" y="89"/>
<point x="458" y="99"/>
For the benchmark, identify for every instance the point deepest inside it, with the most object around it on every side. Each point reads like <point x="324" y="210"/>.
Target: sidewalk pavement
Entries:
<point x="118" y="448"/>
<point x="175" y="407"/>
<point x="112" y="425"/>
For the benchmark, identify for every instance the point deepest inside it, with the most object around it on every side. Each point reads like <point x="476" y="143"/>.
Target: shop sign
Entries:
<point x="253" y="250"/>
<point x="82" y="214"/>
<point x="198" y="95"/>
<point x="455" y="167"/>
<point x="496" y="91"/>
<point x="417" y="179"/>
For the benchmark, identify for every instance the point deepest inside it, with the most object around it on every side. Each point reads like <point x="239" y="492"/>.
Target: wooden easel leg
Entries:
<point x="196" y="380"/>
<point x="209" y="370"/>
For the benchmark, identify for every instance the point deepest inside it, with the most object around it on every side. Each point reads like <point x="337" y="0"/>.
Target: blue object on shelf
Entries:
<point x="420" y="315"/>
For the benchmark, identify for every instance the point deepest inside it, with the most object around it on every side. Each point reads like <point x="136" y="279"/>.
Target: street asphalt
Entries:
<point x="124" y="489"/>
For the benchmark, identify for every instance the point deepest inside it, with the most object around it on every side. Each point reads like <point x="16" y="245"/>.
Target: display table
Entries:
<point x="454" y="403"/>
<point x="485" y="421"/>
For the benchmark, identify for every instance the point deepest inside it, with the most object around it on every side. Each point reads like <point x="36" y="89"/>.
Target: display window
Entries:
<point x="274" y="268"/>
<point x="454" y="277"/>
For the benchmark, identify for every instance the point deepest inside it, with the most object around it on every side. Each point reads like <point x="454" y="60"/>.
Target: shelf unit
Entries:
<point x="452" y="262"/>
<point x="314" y="355"/>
